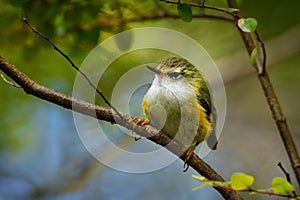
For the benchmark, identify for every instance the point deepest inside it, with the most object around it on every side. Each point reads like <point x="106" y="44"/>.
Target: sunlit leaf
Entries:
<point x="240" y="181"/>
<point x="282" y="186"/>
<point x="185" y="12"/>
<point x="199" y="178"/>
<point x="247" y="24"/>
<point x="253" y="56"/>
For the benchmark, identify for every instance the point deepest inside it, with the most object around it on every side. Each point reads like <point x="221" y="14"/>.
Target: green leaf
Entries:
<point x="185" y="12"/>
<point x="199" y="178"/>
<point x="281" y="186"/>
<point x="240" y="181"/>
<point x="247" y="24"/>
<point x="253" y="56"/>
<point x="208" y="182"/>
<point x="201" y="186"/>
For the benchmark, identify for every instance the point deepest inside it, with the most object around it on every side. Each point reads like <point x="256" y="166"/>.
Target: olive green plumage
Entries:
<point x="179" y="102"/>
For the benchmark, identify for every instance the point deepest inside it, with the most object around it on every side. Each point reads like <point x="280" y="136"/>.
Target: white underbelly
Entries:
<point x="174" y="111"/>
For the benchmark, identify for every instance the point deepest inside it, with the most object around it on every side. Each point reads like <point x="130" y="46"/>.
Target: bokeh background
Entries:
<point x="41" y="155"/>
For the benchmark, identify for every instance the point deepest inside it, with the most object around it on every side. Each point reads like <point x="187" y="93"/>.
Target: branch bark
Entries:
<point x="250" y="41"/>
<point x="125" y="120"/>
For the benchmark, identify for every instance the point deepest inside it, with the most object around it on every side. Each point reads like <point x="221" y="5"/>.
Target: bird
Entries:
<point x="179" y="103"/>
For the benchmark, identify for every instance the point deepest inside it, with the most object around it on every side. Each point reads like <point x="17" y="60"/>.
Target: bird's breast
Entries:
<point x="172" y="107"/>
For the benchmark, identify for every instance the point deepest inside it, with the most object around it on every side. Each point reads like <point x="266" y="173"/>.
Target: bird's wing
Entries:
<point x="206" y="102"/>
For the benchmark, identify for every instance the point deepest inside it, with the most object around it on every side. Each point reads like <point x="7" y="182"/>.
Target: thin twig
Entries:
<point x="73" y="65"/>
<point x="264" y="52"/>
<point x="270" y="193"/>
<point x="287" y="176"/>
<point x="176" y="16"/>
<point x="9" y="83"/>
<point x="224" y="10"/>
<point x="166" y="14"/>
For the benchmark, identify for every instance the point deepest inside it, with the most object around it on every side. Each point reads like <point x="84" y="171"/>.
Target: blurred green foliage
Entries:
<point x="185" y="12"/>
<point x="75" y="21"/>
<point x="77" y="26"/>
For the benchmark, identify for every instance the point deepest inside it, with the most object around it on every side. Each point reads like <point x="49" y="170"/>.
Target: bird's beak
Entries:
<point x="156" y="71"/>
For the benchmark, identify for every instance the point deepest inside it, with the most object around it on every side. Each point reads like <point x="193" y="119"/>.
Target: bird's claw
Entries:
<point x="188" y="154"/>
<point x="141" y="121"/>
<point x="137" y="138"/>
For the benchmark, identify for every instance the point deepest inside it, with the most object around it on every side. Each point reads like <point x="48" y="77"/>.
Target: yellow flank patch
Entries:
<point x="144" y="106"/>
<point x="204" y="122"/>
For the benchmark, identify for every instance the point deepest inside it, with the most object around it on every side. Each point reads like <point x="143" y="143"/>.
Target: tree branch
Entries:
<point x="72" y="64"/>
<point x="176" y="16"/>
<point x="250" y="41"/>
<point x="161" y="15"/>
<point x="125" y="120"/>
<point x="223" y="10"/>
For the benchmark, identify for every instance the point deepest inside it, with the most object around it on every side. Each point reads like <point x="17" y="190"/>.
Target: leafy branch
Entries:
<point x="242" y="182"/>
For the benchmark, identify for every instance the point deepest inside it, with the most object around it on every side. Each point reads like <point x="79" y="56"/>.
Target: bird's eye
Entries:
<point x="175" y="75"/>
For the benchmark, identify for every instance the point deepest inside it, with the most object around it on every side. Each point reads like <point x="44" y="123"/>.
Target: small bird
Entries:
<point x="179" y="103"/>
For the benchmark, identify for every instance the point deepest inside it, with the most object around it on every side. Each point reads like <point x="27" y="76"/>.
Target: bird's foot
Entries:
<point x="141" y="122"/>
<point x="188" y="154"/>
